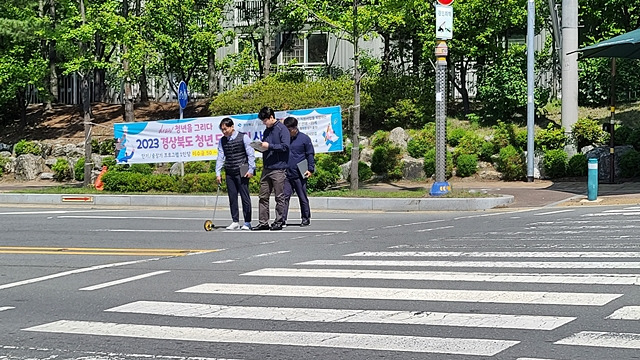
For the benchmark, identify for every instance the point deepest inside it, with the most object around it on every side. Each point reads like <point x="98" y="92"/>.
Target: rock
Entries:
<point x="398" y="137"/>
<point x="487" y="172"/>
<point x="366" y="155"/>
<point x="602" y="154"/>
<point x="345" y="170"/>
<point x="28" y="167"/>
<point x="46" y="176"/>
<point x="5" y="154"/>
<point x="412" y="168"/>
<point x="6" y="147"/>
<point x="175" y="169"/>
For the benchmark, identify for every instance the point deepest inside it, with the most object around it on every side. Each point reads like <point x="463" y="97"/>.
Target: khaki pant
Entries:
<point x="272" y="180"/>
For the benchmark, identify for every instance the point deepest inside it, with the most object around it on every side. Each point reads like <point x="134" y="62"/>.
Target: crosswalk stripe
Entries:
<point x="603" y="339"/>
<point x="543" y="278"/>
<point x="502" y="321"/>
<point x="457" y="346"/>
<point x="520" y="254"/>
<point x="626" y="313"/>
<point x="482" y="296"/>
<point x="3" y="308"/>
<point x="481" y="264"/>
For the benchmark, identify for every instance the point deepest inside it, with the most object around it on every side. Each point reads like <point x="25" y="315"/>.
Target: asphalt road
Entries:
<point x="122" y="283"/>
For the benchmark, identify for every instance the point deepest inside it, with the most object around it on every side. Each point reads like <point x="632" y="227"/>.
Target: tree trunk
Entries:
<point x="386" y="55"/>
<point x="213" y="76"/>
<point x="53" y="58"/>
<point x="128" y="93"/>
<point x="144" y="86"/>
<point x="266" y="40"/>
<point x="86" y="109"/>
<point x="355" y="139"/>
<point x="22" y="104"/>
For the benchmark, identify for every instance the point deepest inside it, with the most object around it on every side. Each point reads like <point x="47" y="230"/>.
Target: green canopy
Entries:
<point x="622" y="46"/>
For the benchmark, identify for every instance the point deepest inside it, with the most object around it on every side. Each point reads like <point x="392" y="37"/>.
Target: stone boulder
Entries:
<point x="366" y="155"/>
<point x="28" y="167"/>
<point x="412" y="168"/>
<point x="398" y="137"/>
<point x="604" y="160"/>
<point x="6" y="147"/>
<point x="67" y="150"/>
<point x="345" y="170"/>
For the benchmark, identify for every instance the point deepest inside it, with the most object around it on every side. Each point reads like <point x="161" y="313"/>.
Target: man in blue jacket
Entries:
<point x="300" y="152"/>
<point x="275" y="158"/>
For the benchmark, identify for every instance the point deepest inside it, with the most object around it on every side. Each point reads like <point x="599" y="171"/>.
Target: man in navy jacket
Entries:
<point x="300" y="149"/>
<point x="275" y="157"/>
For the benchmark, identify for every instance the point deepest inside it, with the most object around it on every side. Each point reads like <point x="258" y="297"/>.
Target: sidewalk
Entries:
<point x="539" y="193"/>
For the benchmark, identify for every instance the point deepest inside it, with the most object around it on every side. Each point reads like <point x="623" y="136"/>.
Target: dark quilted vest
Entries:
<point x="234" y="154"/>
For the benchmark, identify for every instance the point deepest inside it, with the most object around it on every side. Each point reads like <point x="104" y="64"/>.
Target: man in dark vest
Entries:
<point x="238" y="159"/>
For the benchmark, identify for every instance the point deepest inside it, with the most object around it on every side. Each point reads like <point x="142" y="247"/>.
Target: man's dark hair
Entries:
<point x="291" y="122"/>
<point x="265" y="113"/>
<point x="227" y="122"/>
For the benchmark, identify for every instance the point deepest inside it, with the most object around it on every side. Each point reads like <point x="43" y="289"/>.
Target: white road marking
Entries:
<point x="269" y="254"/>
<point x="474" y="296"/>
<point x="614" y="214"/>
<point x="481" y="264"/>
<point x="458" y="346"/>
<point x="528" y="322"/>
<point x="3" y="308"/>
<point x="626" y="313"/>
<point x="603" y="339"/>
<point x="520" y="254"/>
<point x="223" y="261"/>
<point x="122" y="281"/>
<point x="553" y="212"/>
<point x="433" y="229"/>
<point x="541" y="278"/>
<point x="146" y="230"/>
<point x="99" y="355"/>
<point x="58" y="212"/>
<point x="72" y="272"/>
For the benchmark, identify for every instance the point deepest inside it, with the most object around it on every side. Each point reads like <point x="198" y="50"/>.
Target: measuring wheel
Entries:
<point x="208" y="225"/>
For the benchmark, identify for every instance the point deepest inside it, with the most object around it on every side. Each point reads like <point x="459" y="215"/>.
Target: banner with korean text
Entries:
<point x="197" y="139"/>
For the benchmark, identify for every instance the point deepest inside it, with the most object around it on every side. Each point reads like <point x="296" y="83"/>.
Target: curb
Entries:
<point x="319" y="203"/>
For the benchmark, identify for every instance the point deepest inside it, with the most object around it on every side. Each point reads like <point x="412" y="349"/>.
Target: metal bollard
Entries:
<point x="592" y="181"/>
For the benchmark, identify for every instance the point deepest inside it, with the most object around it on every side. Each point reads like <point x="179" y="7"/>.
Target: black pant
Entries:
<point x="235" y="185"/>
<point x="300" y="186"/>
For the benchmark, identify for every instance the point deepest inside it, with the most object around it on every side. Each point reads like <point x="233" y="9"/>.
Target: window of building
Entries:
<point x="307" y="50"/>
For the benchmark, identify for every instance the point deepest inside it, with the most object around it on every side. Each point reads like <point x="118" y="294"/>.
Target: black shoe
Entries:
<point x="276" y="226"/>
<point x="305" y="222"/>
<point x="261" y="227"/>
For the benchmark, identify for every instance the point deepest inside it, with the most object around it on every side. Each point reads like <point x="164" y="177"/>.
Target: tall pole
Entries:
<point x="441" y="186"/>
<point x="612" y="144"/>
<point x="355" y="141"/>
<point x="531" y="14"/>
<point x="569" y="67"/>
<point x="266" y="39"/>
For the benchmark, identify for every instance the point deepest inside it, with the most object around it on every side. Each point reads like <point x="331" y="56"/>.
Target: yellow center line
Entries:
<point x="101" y="251"/>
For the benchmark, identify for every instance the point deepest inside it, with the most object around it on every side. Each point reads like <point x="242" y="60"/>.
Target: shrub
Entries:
<point x="379" y="138"/>
<point x="577" y="165"/>
<point x="126" y="181"/>
<point x="27" y="147"/>
<point x="521" y="138"/>
<point x="487" y="150"/>
<point x="385" y="159"/>
<point x="107" y="147"/>
<point x="511" y="163"/>
<point x="328" y="162"/>
<point x="196" y="167"/>
<point x="422" y="141"/>
<point x="553" y="137"/>
<point x="555" y="163"/>
<point x="109" y="162"/>
<point x="322" y="180"/>
<point x="621" y="135"/>
<point x="633" y="139"/>
<point x="364" y="172"/>
<point x="3" y="164"/>
<point x="454" y="136"/>
<point x="146" y="169"/>
<point x="163" y="182"/>
<point x="198" y="183"/>
<point x="78" y="170"/>
<point x="470" y="143"/>
<point x="61" y="169"/>
<point x="504" y="134"/>
<point x="466" y="165"/>
<point x="430" y="164"/>
<point x="630" y="164"/>
<point x="587" y="132"/>
<point x="285" y="95"/>
<point x="397" y="100"/>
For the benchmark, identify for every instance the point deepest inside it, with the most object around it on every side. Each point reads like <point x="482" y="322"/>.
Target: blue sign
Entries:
<point x="183" y="96"/>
